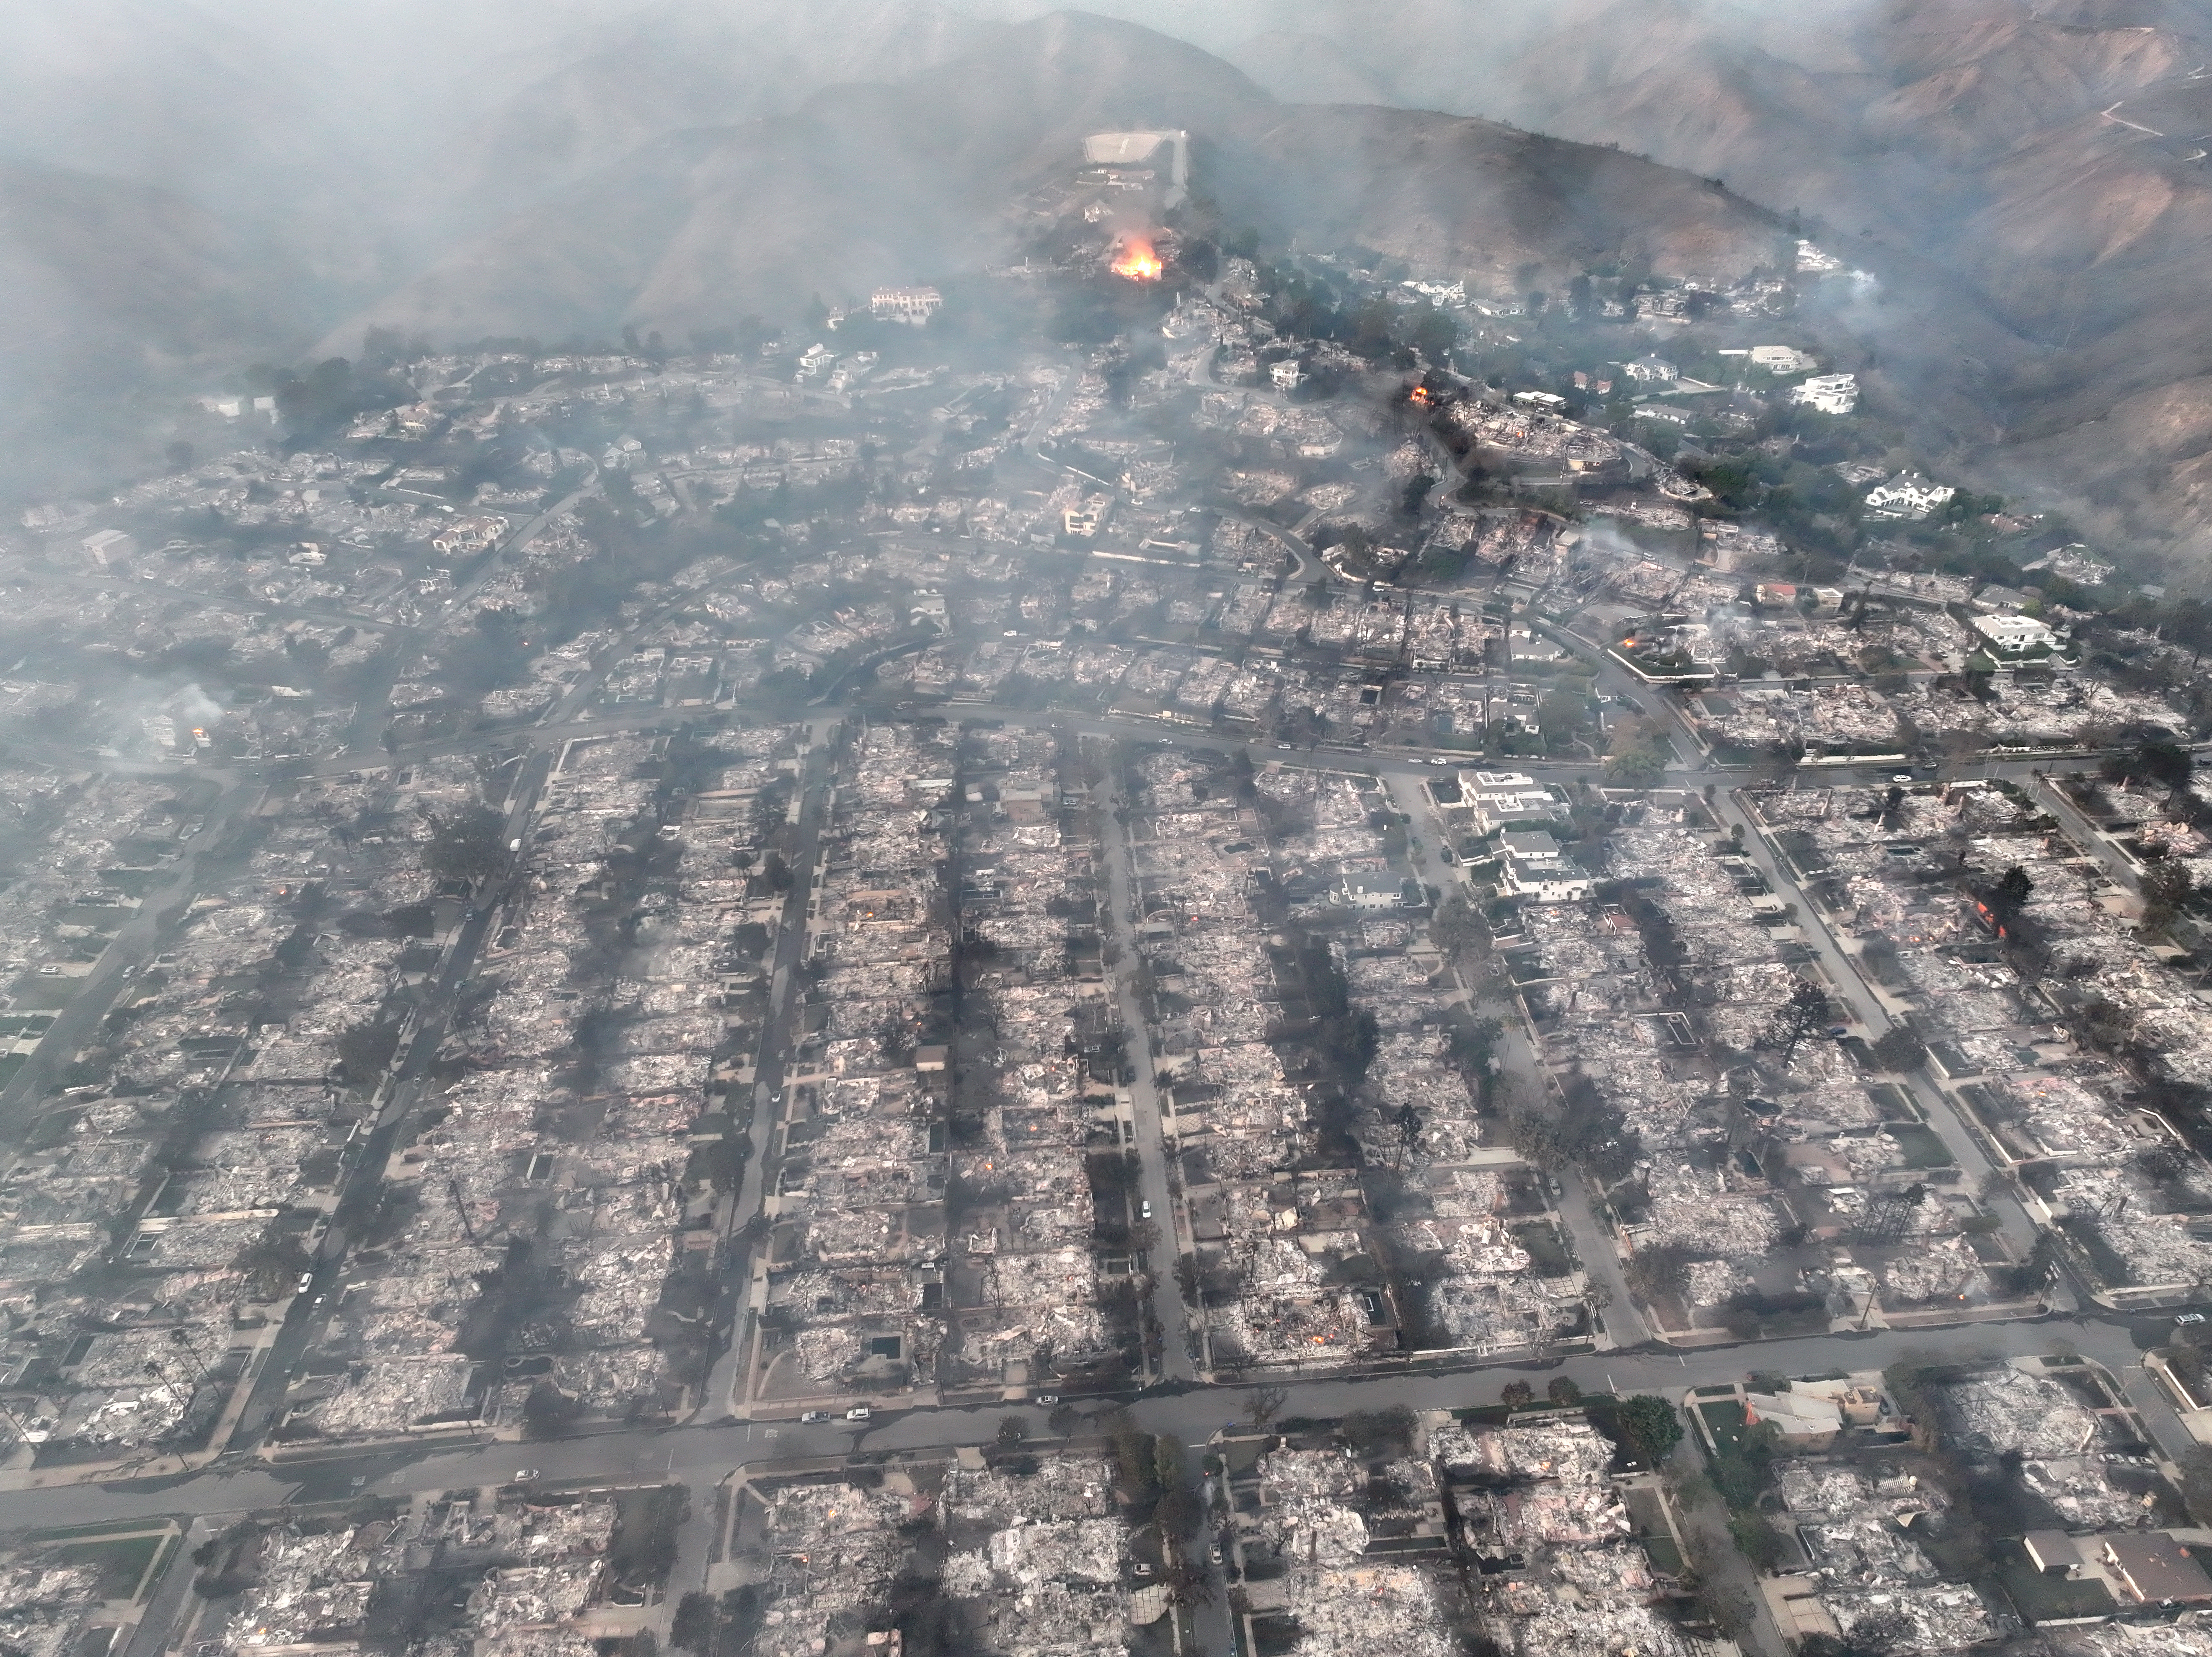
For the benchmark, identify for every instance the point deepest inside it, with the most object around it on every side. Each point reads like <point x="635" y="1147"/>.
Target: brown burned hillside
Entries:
<point x="872" y="182"/>
<point x="1505" y="207"/>
<point x="2034" y="174"/>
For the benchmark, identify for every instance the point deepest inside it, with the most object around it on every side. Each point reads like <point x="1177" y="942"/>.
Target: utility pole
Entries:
<point x="461" y="1207"/>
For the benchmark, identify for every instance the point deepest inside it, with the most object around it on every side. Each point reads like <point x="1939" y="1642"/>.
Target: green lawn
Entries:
<point x="1724" y="1419"/>
<point x="1922" y="1146"/>
<point x="120" y="1563"/>
<point x="1892" y="1103"/>
<point x="1647" y="1509"/>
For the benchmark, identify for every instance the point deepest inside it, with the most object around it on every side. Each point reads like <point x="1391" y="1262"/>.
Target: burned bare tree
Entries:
<point x="1807" y="1011"/>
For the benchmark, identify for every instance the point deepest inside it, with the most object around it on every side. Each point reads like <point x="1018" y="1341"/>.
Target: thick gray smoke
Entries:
<point x="183" y="190"/>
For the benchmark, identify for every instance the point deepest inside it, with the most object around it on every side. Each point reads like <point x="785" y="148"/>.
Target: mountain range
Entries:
<point x="2047" y="161"/>
<point x="2028" y="183"/>
<point x="865" y="185"/>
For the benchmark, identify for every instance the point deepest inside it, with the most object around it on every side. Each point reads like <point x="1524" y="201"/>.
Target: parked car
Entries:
<point x="859" y="1413"/>
<point x="2191" y="1317"/>
<point x="524" y="1475"/>
<point x="1047" y="1397"/>
<point x="812" y="1416"/>
<point x="1144" y="1210"/>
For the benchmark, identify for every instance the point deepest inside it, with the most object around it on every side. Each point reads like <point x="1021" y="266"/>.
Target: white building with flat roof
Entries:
<point x="1142" y="149"/>
<point x="1534" y="867"/>
<point x="1830" y="394"/>
<point x="912" y="305"/>
<point x="1783" y="360"/>
<point x="2015" y="635"/>
<point x="1908" y="496"/>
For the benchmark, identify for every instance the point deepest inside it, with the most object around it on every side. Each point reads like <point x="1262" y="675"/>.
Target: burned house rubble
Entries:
<point x="850" y="1294"/>
<point x="1260" y="820"/>
<point x="1331" y="1147"/>
<point x="1882" y="1529"/>
<point x="2006" y="947"/>
<point x="938" y="1219"/>
<point x="62" y="1594"/>
<point x="165" y="1211"/>
<point x="1309" y="1522"/>
<point x="1032" y="1555"/>
<point x="539" y="1574"/>
<point x="543" y="1244"/>
<point x="1762" y="1183"/>
<point x="1867" y="1571"/>
<point x="1519" y="1530"/>
<point x="1050" y="1257"/>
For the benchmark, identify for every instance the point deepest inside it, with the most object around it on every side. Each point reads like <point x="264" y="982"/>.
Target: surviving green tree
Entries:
<point x="1651" y="1427"/>
<point x="1898" y="1049"/>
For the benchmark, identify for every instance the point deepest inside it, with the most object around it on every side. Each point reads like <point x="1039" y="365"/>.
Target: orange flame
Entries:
<point x="1420" y="396"/>
<point x="1137" y="261"/>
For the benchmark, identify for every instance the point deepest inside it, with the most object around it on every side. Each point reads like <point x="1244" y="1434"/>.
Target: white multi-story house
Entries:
<point x="1832" y="394"/>
<point x="1534" y="867"/>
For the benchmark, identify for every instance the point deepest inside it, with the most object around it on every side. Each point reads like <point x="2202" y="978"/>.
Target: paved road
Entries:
<point x="2084" y="833"/>
<point x="1033" y="440"/>
<point x="702" y="1453"/>
<point x="364" y="1179"/>
<point x="1176" y="1333"/>
<point x="1305" y="566"/>
<point x="150" y="1638"/>
<point x="724" y="1393"/>
<point x="1842" y="970"/>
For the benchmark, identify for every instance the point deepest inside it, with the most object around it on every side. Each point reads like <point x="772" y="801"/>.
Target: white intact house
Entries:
<point x="1829" y="394"/>
<point x="2014" y="636"/>
<point x="1534" y="867"/>
<point x="1785" y="360"/>
<point x="911" y="306"/>
<point x="1498" y="797"/>
<point x="1380" y="891"/>
<point x="1907" y="496"/>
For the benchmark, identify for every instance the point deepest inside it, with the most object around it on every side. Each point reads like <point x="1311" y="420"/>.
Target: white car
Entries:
<point x="2190" y="1318"/>
<point x="524" y="1475"/>
<point x="859" y="1413"/>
